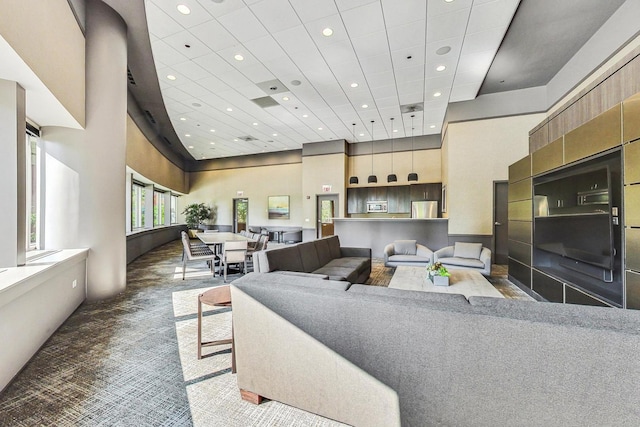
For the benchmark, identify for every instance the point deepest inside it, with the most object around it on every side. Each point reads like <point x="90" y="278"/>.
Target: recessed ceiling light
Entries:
<point x="448" y="1"/>
<point x="275" y="134"/>
<point x="212" y="143"/>
<point x="305" y="115"/>
<point x="365" y="106"/>
<point x="203" y="157"/>
<point x="187" y="135"/>
<point x="171" y="77"/>
<point x="285" y="98"/>
<point x="296" y="82"/>
<point x="354" y="84"/>
<point x="441" y="68"/>
<point x="235" y="140"/>
<point x="183" y="119"/>
<point x="437" y="94"/>
<point x="239" y="57"/>
<point x="319" y="128"/>
<point x="191" y="146"/>
<point x="184" y="9"/>
<point x="362" y="134"/>
<point x="229" y="109"/>
<point x="443" y="50"/>
<point x="395" y="130"/>
<point x="327" y="32"/>
<point x="432" y="126"/>
<point x="255" y="123"/>
<point x="212" y="130"/>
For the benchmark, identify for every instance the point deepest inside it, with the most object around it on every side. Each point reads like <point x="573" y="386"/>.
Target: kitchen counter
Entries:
<point x="376" y="233"/>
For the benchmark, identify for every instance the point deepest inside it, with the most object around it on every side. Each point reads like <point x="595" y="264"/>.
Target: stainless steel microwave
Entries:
<point x="377" y="206"/>
<point x="594" y="197"/>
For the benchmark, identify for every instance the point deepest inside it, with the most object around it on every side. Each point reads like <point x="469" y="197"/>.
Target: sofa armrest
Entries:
<point x="355" y="252"/>
<point x="423" y="251"/>
<point x="389" y="250"/>
<point x="485" y="257"/>
<point x="445" y="252"/>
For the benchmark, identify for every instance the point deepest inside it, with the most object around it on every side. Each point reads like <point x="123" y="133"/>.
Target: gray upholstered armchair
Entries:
<point x="407" y="252"/>
<point x="465" y="256"/>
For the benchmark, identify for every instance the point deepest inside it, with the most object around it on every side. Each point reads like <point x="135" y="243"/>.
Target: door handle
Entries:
<point x="497" y="223"/>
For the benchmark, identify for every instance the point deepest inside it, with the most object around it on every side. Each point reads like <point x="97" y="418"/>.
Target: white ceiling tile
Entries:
<point x="350" y="4"/>
<point x="408" y="57"/>
<point x="219" y="9"/>
<point x="166" y="54"/>
<point x="295" y="40"/>
<point x="197" y="16"/>
<point x="372" y="45"/>
<point x="376" y="64"/>
<point x="257" y="73"/>
<point x="385" y="91"/>
<point x="408" y="35"/>
<point x="275" y="15"/>
<point x="181" y="40"/>
<point x="313" y="10"/>
<point x="478" y="61"/>
<point x="448" y="25"/>
<point x="191" y="70"/>
<point x="491" y="14"/>
<point x="243" y="25"/>
<point x="364" y="20"/>
<point x="265" y="48"/>
<point x="335" y="23"/>
<point x="483" y="41"/>
<point x="410" y="11"/>
<point x="160" y="24"/>
<point x="464" y="92"/>
<point x="338" y="53"/>
<point x="439" y="7"/>
<point x="214" y="35"/>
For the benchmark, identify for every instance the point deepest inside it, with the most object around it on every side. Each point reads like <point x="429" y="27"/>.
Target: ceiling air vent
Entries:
<point x="265" y="101"/>
<point x="150" y="116"/>
<point x="130" y="77"/>
<point x="166" y="140"/>
<point x="411" y="108"/>
<point x="247" y="138"/>
<point x="272" y="87"/>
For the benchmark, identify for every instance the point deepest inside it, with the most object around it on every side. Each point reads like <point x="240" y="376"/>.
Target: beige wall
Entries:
<point x="146" y="160"/>
<point x="329" y="169"/>
<point x="478" y="153"/>
<point x="426" y="163"/>
<point x="444" y="156"/>
<point x="219" y="188"/>
<point x="47" y="37"/>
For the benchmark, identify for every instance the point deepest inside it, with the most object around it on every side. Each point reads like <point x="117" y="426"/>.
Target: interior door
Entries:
<point x="500" y="222"/>
<point x="240" y="214"/>
<point x="327" y="208"/>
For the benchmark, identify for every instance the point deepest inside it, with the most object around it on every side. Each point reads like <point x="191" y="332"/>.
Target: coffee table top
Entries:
<point x="465" y="282"/>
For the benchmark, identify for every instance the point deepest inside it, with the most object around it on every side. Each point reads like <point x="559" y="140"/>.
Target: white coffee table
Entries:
<point x="465" y="282"/>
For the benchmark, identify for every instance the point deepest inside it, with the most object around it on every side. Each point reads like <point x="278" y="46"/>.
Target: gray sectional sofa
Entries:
<point x="373" y="356"/>
<point x="324" y="258"/>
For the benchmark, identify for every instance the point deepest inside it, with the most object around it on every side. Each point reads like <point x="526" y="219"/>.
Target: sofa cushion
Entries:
<point x="434" y="297"/>
<point x="324" y="253"/>
<point x="467" y="250"/>
<point x="339" y="273"/>
<point x="284" y="280"/>
<point x="462" y="262"/>
<point x="355" y="263"/>
<point x="301" y="274"/>
<point x="286" y="258"/>
<point x="334" y="246"/>
<point x="404" y="247"/>
<point x="409" y="258"/>
<point x="309" y="256"/>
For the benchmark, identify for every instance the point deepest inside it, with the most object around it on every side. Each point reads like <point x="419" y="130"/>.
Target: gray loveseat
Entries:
<point x="372" y="356"/>
<point x="407" y="252"/>
<point x="465" y="256"/>
<point x="324" y="258"/>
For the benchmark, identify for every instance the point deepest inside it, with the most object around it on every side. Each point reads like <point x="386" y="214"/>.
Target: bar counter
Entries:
<point x="376" y="233"/>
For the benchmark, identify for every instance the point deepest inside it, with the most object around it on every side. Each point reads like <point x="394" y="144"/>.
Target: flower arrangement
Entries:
<point x="437" y="269"/>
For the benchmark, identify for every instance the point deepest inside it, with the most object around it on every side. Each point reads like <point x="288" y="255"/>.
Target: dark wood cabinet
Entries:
<point x="399" y="199"/>
<point x="357" y="200"/>
<point x="376" y="193"/>
<point x="426" y="191"/>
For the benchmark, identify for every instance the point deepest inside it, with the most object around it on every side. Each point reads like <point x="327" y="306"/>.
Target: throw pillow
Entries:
<point x="404" y="247"/>
<point x="467" y="250"/>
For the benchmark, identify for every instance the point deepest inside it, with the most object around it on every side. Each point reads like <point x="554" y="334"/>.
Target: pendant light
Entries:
<point x="372" y="178"/>
<point x="392" y="176"/>
<point x="412" y="176"/>
<point x="353" y="179"/>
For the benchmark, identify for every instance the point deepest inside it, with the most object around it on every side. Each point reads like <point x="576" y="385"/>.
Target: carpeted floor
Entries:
<point x="131" y="360"/>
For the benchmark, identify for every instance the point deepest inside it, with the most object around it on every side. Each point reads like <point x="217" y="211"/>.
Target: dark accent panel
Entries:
<point x="520" y="231"/>
<point x="520" y="169"/>
<point x="377" y="233"/>
<point x="520" y="272"/>
<point x="399" y="199"/>
<point x="520" y="252"/>
<point x="339" y="146"/>
<point x="633" y="290"/>
<point x="632" y="237"/>
<point x="142" y="242"/>
<point x="547" y="287"/>
<point x="249" y="161"/>
<point x="574" y="296"/>
<point x="422" y="142"/>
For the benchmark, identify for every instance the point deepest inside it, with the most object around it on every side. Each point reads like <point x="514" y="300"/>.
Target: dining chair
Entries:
<point x="190" y="253"/>
<point x="234" y="252"/>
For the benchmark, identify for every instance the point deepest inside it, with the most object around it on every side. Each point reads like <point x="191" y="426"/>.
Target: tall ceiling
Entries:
<point x="241" y="77"/>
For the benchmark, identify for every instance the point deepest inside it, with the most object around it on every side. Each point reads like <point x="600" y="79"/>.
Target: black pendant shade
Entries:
<point x="412" y="176"/>
<point x="353" y="180"/>
<point x="372" y="179"/>
<point x="392" y="177"/>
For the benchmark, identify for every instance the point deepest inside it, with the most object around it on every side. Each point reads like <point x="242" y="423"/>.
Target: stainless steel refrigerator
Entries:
<point x="424" y="209"/>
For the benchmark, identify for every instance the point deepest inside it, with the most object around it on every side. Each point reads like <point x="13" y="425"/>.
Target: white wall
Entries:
<point x="478" y="153"/>
<point x="219" y="188"/>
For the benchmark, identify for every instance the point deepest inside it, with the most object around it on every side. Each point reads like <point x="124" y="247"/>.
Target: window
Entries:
<point x="158" y="208"/>
<point x="137" y="206"/>
<point x="174" y="209"/>
<point x="33" y="188"/>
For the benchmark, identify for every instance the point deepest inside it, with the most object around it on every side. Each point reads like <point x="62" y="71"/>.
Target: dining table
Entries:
<point x="216" y="240"/>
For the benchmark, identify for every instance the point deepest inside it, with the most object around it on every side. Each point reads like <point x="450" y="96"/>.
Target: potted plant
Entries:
<point x="438" y="274"/>
<point x="195" y="214"/>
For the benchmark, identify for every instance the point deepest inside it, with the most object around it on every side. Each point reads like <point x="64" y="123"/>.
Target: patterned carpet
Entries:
<point x="131" y="360"/>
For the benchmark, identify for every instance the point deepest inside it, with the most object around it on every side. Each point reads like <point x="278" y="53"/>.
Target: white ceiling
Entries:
<point x="388" y="47"/>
